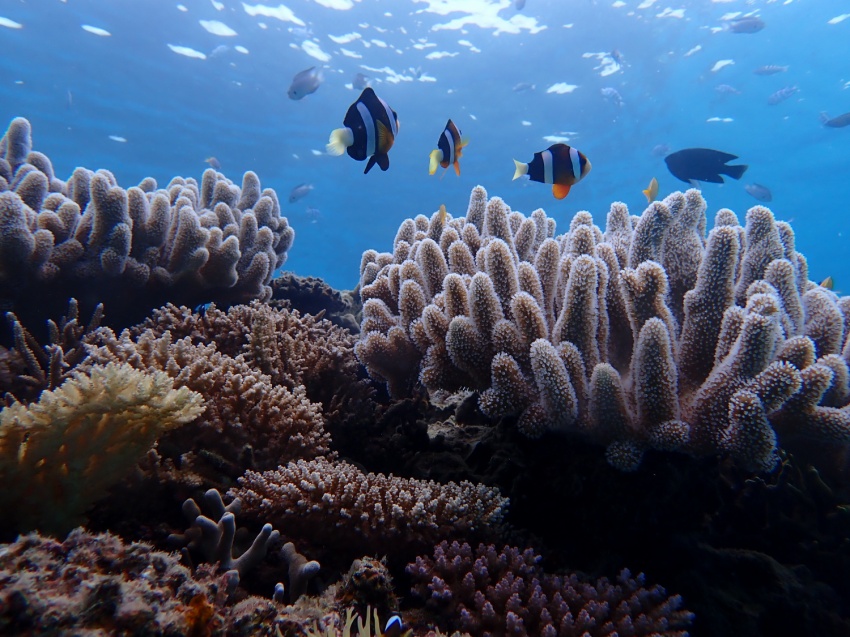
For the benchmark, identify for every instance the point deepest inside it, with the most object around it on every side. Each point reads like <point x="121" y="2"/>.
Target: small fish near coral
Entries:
<point x="370" y="129"/>
<point x="305" y="83"/>
<point x="839" y="121"/>
<point x="828" y="283"/>
<point x="214" y="163"/>
<point x="559" y="165"/>
<point x="651" y="191"/>
<point x="299" y="192"/>
<point x="449" y="149"/>
<point x="692" y="165"/>
<point x="762" y="193"/>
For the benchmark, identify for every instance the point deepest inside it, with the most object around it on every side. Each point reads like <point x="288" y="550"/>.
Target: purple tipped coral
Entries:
<point x="492" y="593"/>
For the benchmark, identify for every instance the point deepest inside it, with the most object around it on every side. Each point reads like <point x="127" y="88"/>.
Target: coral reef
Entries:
<point x="340" y="506"/>
<point x="60" y="454"/>
<point x="96" y="584"/>
<point x="292" y="348"/>
<point x="505" y="592"/>
<point x="645" y="336"/>
<point x="249" y="422"/>
<point x="189" y="242"/>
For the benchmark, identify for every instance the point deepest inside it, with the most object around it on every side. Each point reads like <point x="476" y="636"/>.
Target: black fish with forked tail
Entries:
<point x="370" y="130"/>
<point x="839" y="121"/>
<point x="703" y="164"/>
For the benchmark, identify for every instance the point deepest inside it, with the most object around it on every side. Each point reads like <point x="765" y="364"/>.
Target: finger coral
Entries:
<point x="61" y="453"/>
<point x="189" y="242"/>
<point x="337" y="504"/>
<point x="647" y="335"/>
<point x="506" y="592"/>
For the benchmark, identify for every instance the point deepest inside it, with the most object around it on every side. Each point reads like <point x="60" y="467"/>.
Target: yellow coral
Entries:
<point x="61" y="453"/>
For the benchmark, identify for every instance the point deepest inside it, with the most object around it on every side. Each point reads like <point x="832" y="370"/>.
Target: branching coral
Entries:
<point x="190" y="241"/>
<point x="505" y="592"/>
<point x="292" y="349"/>
<point x="337" y="504"/>
<point x="250" y="422"/>
<point x="58" y="455"/>
<point x="648" y="335"/>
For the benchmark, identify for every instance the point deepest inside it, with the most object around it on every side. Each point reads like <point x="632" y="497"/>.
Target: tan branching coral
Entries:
<point x="337" y="504"/>
<point x="58" y="455"/>
<point x="292" y="349"/>
<point x="189" y="240"/>
<point x="649" y="335"/>
<point x="250" y="421"/>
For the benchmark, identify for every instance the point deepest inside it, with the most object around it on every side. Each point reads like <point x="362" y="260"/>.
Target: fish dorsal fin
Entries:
<point x="560" y="190"/>
<point x="385" y="137"/>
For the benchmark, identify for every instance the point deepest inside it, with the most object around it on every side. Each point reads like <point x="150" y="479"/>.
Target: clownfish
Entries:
<point x="449" y="149"/>
<point x="370" y="129"/>
<point x="559" y="165"/>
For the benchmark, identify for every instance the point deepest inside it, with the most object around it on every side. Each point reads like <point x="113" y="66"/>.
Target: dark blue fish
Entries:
<point x="702" y="164"/>
<point x="370" y="129"/>
<point x="839" y="121"/>
<point x="559" y="165"/>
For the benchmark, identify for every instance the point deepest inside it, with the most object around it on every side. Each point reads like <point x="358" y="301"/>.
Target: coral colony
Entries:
<point x="522" y="418"/>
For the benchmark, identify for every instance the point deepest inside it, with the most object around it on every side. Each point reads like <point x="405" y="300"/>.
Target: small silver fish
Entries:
<point x="762" y="193"/>
<point x="214" y="163"/>
<point x="770" y="69"/>
<point x="305" y="83"/>
<point x="612" y="95"/>
<point x="218" y="51"/>
<point x="299" y="192"/>
<point x="360" y="82"/>
<point x="747" y="24"/>
<point x="726" y="89"/>
<point x="781" y="95"/>
<point x="522" y="87"/>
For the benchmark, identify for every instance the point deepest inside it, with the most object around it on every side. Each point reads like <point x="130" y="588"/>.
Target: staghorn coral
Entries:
<point x="98" y="585"/>
<point x="649" y="335"/>
<point x="63" y="452"/>
<point x="292" y="349"/>
<point x="337" y="504"/>
<point x="505" y="592"/>
<point x="191" y="242"/>
<point x="249" y="422"/>
<point x="28" y="368"/>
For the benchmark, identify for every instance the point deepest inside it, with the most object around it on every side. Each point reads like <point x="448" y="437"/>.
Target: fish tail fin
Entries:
<point x="340" y="139"/>
<point x="457" y="168"/>
<point x="383" y="161"/>
<point x="824" y="117"/>
<point x="647" y="194"/>
<point x="736" y="172"/>
<point x="521" y="169"/>
<point x="434" y="160"/>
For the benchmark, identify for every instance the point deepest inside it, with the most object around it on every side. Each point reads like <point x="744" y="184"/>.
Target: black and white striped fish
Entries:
<point x="370" y="130"/>
<point x="449" y="149"/>
<point x="559" y="165"/>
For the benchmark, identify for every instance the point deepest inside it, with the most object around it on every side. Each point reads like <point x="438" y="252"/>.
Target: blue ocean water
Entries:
<point x="134" y="87"/>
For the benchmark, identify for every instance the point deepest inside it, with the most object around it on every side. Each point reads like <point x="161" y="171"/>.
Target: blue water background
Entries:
<point x="78" y="88"/>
